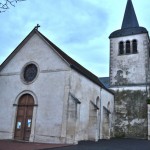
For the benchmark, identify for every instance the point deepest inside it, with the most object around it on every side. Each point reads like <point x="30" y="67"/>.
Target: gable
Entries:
<point x="38" y="51"/>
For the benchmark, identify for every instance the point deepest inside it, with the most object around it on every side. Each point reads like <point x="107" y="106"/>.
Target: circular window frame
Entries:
<point x="23" y="69"/>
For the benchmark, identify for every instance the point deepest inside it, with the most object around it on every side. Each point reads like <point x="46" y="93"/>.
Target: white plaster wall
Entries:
<point x="50" y="110"/>
<point x="50" y="95"/>
<point x="49" y="89"/>
<point x="86" y="91"/>
<point x="107" y="101"/>
<point x="132" y="65"/>
<point x="38" y="51"/>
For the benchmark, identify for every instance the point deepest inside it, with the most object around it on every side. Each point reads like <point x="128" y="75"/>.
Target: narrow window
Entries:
<point x="128" y="47"/>
<point x="97" y="101"/>
<point x="134" y="46"/>
<point x="121" y="48"/>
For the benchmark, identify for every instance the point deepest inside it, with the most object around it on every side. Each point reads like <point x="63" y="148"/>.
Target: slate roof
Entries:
<point x="128" y="31"/>
<point x="130" y="19"/>
<point x="73" y="64"/>
<point x="130" y="25"/>
<point x="105" y="81"/>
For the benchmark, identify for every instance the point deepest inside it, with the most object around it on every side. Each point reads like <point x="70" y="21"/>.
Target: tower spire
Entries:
<point x="130" y="19"/>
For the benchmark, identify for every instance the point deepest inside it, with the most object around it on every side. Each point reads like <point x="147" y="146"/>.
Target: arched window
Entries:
<point x="97" y="101"/>
<point x="128" y="50"/>
<point x="134" y="46"/>
<point x="108" y="105"/>
<point x="121" y="48"/>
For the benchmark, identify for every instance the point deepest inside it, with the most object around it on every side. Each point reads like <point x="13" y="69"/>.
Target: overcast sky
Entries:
<point x="79" y="27"/>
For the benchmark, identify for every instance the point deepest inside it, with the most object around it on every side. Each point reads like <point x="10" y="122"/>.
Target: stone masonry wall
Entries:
<point x="131" y="114"/>
<point x="129" y="69"/>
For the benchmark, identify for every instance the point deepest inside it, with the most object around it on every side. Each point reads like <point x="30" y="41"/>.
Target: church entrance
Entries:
<point x="24" y="117"/>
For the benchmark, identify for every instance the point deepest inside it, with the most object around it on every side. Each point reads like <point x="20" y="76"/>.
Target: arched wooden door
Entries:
<point x="24" y="117"/>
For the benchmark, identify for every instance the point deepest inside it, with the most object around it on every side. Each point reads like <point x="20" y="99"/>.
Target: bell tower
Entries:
<point x="129" y="68"/>
<point x="129" y="52"/>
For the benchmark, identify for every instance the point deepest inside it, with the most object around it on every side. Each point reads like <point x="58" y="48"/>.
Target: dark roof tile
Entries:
<point x="130" y="19"/>
<point x="105" y="81"/>
<point x="128" y="31"/>
<point x="130" y="25"/>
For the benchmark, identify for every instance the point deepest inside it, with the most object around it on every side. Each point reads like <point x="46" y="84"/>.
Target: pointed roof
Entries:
<point x="130" y="25"/>
<point x="130" y="19"/>
<point x="72" y="63"/>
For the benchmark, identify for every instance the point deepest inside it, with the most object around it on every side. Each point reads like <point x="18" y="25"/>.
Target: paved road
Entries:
<point x="18" y="145"/>
<point x="113" y="144"/>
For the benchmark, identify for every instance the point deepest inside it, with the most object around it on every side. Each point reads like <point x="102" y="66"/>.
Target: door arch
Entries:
<point x="24" y="117"/>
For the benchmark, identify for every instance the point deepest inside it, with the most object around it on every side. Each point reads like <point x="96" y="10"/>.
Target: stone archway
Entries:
<point x="24" y="117"/>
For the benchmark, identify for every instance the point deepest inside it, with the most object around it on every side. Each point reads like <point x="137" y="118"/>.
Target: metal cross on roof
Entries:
<point x="37" y="26"/>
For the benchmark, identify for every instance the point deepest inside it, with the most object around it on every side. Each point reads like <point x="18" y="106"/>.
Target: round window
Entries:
<point x="30" y="72"/>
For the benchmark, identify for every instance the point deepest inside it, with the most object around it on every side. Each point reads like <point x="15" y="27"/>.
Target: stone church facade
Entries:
<point x="129" y="76"/>
<point x="46" y="96"/>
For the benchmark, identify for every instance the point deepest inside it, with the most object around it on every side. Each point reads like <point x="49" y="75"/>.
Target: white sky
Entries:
<point x="79" y="27"/>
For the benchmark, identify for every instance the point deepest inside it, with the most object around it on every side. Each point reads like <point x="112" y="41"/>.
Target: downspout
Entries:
<point x="100" y="114"/>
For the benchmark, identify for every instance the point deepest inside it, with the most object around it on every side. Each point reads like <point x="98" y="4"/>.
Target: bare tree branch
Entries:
<point x="8" y="3"/>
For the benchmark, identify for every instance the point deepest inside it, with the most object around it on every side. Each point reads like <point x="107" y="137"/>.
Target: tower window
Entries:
<point x="134" y="46"/>
<point x="128" y="50"/>
<point x="121" y="48"/>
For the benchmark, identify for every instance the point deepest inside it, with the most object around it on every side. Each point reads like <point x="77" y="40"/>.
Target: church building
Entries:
<point x="46" y="96"/>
